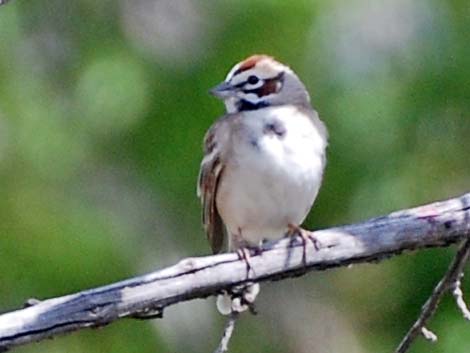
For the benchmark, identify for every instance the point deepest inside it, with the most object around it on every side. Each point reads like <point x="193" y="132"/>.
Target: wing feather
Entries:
<point x="211" y="172"/>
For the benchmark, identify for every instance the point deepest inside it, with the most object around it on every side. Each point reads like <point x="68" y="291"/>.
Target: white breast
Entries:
<point x="270" y="180"/>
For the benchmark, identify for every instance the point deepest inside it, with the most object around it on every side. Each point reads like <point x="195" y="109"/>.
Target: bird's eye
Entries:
<point x="252" y="80"/>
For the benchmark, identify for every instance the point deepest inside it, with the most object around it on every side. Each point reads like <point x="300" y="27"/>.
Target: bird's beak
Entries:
<point x="223" y="90"/>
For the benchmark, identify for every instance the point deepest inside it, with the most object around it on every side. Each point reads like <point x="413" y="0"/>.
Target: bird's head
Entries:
<point x="258" y="82"/>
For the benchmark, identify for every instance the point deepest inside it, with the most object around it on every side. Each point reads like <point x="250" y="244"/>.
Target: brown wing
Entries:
<point x="210" y="174"/>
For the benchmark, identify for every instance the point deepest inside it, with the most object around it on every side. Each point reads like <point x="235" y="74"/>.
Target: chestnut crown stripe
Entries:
<point x="250" y="63"/>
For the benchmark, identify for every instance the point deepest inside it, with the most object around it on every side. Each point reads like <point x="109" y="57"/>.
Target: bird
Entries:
<point x="263" y="160"/>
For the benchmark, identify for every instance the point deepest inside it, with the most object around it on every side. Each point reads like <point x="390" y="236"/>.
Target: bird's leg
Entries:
<point x="241" y="297"/>
<point x="305" y="235"/>
<point x="243" y="249"/>
<point x="244" y="254"/>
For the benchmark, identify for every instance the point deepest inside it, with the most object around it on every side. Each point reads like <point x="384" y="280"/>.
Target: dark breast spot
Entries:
<point x="275" y="128"/>
<point x="254" y="143"/>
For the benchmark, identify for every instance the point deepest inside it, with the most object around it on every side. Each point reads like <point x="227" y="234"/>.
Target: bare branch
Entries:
<point x="429" y="335"/>
<point x="228" y="331"/>
<point x="430" y="307"/>
<point x="458" y="295"/>
<point x="439" y="224"/>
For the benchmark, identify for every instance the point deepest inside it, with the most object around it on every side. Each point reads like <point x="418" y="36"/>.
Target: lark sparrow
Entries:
<point x="264" y="160"/>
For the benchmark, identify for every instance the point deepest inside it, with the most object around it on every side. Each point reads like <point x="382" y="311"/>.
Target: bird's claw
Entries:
<point x="244" y="254"/>
<point x="305" y="236"/>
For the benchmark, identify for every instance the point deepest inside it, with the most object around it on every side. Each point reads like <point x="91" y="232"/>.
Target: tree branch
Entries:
<point x="228" y="331"/>
<point x="429" y="308"/>
<point x="438" y="224"/>
<point x="458" y="296"/>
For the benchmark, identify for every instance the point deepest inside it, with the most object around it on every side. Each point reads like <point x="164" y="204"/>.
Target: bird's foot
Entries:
<point x="244" y="254"/>
<point x="305" y="235"/>
<point x="245" y="251"/>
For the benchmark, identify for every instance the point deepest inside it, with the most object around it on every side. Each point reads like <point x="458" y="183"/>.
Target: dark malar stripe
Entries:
<point x="244" y="105"/>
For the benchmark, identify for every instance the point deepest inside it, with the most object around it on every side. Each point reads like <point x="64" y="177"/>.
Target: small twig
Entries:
<point x="228" y="331"/>
<point x="458" y="295"/>
<point x="428" y="334"/>
<point x="429" y="308"/>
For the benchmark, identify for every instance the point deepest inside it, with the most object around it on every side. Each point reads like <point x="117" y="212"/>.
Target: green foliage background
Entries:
<point x="103" y="107"/>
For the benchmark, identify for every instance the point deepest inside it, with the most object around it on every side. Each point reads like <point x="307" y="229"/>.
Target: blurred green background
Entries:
<point x="103" y="107"/>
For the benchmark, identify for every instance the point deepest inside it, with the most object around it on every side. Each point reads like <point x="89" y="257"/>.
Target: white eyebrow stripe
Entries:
<point x="232" y="72"/>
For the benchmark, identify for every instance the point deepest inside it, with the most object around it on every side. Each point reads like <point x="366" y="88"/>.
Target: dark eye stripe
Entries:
<point x="269" y="86"/>
<point x="266" y="89"/>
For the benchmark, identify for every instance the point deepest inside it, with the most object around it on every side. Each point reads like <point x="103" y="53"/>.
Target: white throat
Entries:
<point x="230" y="105"/>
